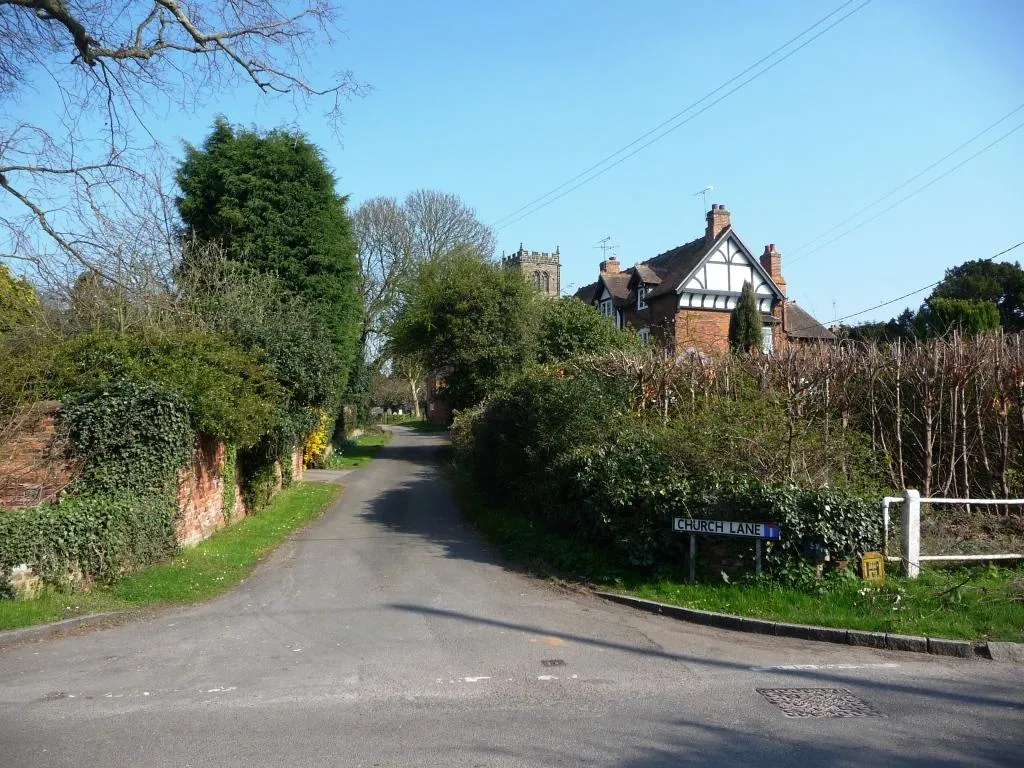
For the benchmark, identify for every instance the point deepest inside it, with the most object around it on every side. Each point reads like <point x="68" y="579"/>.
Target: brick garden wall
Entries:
<point x="34" y="470"/>
<point x="33" y="465"/>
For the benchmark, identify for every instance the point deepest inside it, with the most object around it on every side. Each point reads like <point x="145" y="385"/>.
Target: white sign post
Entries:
<point x="756" y="531"/>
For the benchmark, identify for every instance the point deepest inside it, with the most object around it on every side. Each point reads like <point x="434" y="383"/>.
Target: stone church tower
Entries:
<point x="542" y="270"/>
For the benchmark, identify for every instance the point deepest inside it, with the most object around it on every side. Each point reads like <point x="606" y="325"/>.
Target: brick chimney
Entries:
<point x="718" y="220"/>
<point x="771" y="260"/>
<point x="610" y="267"/>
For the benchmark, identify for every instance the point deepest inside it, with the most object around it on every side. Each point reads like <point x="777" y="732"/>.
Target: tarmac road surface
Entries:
<point x="387" y="634"/>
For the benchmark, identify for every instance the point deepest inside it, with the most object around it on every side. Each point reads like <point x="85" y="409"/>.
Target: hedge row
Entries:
<point x="562" y="451"/>
<point x="91" y="537"/>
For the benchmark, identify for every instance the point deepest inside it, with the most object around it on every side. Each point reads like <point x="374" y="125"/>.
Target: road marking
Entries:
<point x="813" y="667"/>
<point x="546" y="677"/>
<point x="476" y="679"/>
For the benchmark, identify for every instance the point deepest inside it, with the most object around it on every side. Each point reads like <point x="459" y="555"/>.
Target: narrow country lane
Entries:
<point x="387" y="634"/>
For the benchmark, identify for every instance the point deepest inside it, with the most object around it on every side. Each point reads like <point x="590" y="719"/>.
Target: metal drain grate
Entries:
<point x="818" y="702"/>
<point x="553" y="662"/>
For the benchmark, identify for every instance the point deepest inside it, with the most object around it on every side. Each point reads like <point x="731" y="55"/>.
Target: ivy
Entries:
<point x="131" y="437"/>
<point x="229" y="477"/>
<point x="89" y="537"/>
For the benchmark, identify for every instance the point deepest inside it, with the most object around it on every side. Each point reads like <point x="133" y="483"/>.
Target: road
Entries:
<point x="387" y="634"/>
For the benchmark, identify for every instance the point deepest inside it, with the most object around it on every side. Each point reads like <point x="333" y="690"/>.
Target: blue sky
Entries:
<point x="501" y="102"/>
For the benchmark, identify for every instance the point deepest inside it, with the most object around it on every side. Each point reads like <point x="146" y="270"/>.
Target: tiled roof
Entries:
<point x="648" y="275"/>
<point x="618" y="285"/>
<point x="674" y="265"/>
<point x="802" y="325"/>
<point x="586" y="293"/>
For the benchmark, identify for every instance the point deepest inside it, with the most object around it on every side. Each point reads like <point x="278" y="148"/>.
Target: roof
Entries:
<point x="618" y="285"/>
<point x="674" y="265"/>
<point x="799" y="324"/>
<point x="586" y="293"/>
<point x="647" y="274"/>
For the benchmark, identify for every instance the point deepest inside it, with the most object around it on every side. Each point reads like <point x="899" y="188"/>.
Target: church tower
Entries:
<point x="542" y="270"/>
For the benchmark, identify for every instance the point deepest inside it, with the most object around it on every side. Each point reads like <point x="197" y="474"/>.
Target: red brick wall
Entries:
<point x="702" y="329"/>
<point x="33" y="466"/>
<point x="201" y="494"/>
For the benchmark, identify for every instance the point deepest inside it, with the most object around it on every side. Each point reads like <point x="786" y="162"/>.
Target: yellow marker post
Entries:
<point x="872" y="566"/>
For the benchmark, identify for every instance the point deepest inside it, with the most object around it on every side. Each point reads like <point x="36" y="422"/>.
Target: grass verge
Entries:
<point x="358" y="452"/>
<point x="194" y="574"/>
<point x="972" y="604"/>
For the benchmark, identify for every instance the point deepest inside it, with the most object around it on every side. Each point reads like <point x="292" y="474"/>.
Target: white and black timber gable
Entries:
<point x="716" y="280"/>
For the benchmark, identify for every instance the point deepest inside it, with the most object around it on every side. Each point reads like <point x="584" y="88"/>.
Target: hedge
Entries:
<point x="560" y="450"/>
<point x="96" y="537"/>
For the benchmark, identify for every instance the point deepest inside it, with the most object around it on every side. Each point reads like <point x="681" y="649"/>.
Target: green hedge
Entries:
<point x="98" y="536"/>
<point x="560" y="450"/>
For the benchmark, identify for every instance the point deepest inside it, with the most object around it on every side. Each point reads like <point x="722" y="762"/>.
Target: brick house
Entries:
<point x="683" y="298"/>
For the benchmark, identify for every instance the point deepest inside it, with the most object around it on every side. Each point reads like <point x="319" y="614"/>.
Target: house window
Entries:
<point x="767" y="340"/>
<point x="606" y="307"/>
<point x="645" y="335"/>
<point x="641" y="297"/>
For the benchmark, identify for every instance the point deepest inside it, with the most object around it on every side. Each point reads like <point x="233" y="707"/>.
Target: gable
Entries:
<point x="716" y="281"/>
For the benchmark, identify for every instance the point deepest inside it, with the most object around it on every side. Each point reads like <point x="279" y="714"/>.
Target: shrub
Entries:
<point x="560" y="449"/>
<point x="230" y="393"/>
<point x="94" y="536"/>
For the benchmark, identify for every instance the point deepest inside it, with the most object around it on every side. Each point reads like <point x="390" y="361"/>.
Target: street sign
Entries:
<point x="728" y="528"/>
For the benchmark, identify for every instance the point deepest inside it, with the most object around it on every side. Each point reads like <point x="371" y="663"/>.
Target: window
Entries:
<point x="645" y="335"/>
<point x="641" y="297"/>
<point x="606" y="307"/>
<point x="766" y="339"/>
<point x="536" y="280"/>
<point x="547" y="283"/>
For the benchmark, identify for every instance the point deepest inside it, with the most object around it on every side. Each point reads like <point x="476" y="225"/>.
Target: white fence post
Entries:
<point x="911" y="533"/>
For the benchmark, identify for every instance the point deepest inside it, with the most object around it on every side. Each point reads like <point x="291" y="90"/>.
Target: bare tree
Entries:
<point x="395" y="237"/>
<point x="106" y="65"/>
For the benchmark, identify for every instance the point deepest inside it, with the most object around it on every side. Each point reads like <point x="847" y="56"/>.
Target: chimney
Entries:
<point x="771" y="260"/>
<point x="610" y="267"/>
<point x="718" y="220"/>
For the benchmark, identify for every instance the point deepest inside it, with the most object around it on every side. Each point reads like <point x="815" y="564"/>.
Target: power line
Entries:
<point x="906" y="295"/>
<point x="906" y="183"/>
<point x="544" y="201"/>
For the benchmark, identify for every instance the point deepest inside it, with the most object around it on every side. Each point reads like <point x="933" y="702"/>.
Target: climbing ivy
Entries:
<point x="229" y="476"/>
<point x="131" y="437"/>
<point x="89" y="537"/>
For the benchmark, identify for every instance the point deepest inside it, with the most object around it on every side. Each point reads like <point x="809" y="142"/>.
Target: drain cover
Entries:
<point x="818" y="702"/>
<point x="553" y="662"/>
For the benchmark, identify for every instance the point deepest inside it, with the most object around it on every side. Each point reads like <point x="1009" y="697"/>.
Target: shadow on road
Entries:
<point x="987" y="696"/>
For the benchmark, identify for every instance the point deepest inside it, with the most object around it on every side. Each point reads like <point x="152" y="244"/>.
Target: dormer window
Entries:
<point x="641" y="297"/>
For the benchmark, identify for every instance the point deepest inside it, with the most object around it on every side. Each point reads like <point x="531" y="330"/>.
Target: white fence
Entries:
<point x="911" y="530"/>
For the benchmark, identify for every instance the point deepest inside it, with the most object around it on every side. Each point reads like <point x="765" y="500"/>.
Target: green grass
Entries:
<point x="358" y="452"/>
<point x="972" y="604"/>
<point x="194" y="574"/>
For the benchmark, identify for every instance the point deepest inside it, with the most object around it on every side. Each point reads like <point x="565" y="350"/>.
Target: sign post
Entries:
<point x="757" y="531"/>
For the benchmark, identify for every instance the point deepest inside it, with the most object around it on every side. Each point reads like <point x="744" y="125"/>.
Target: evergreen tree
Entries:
<point x="745" y="322"/>
<point x="269" y="200"/>
<point x="940" y="316"/>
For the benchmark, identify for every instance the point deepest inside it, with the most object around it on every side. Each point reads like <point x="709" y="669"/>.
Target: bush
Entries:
<point x="230" y="393"/>
<point x="93" y="536"/>
<point x="560" y="450"/>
